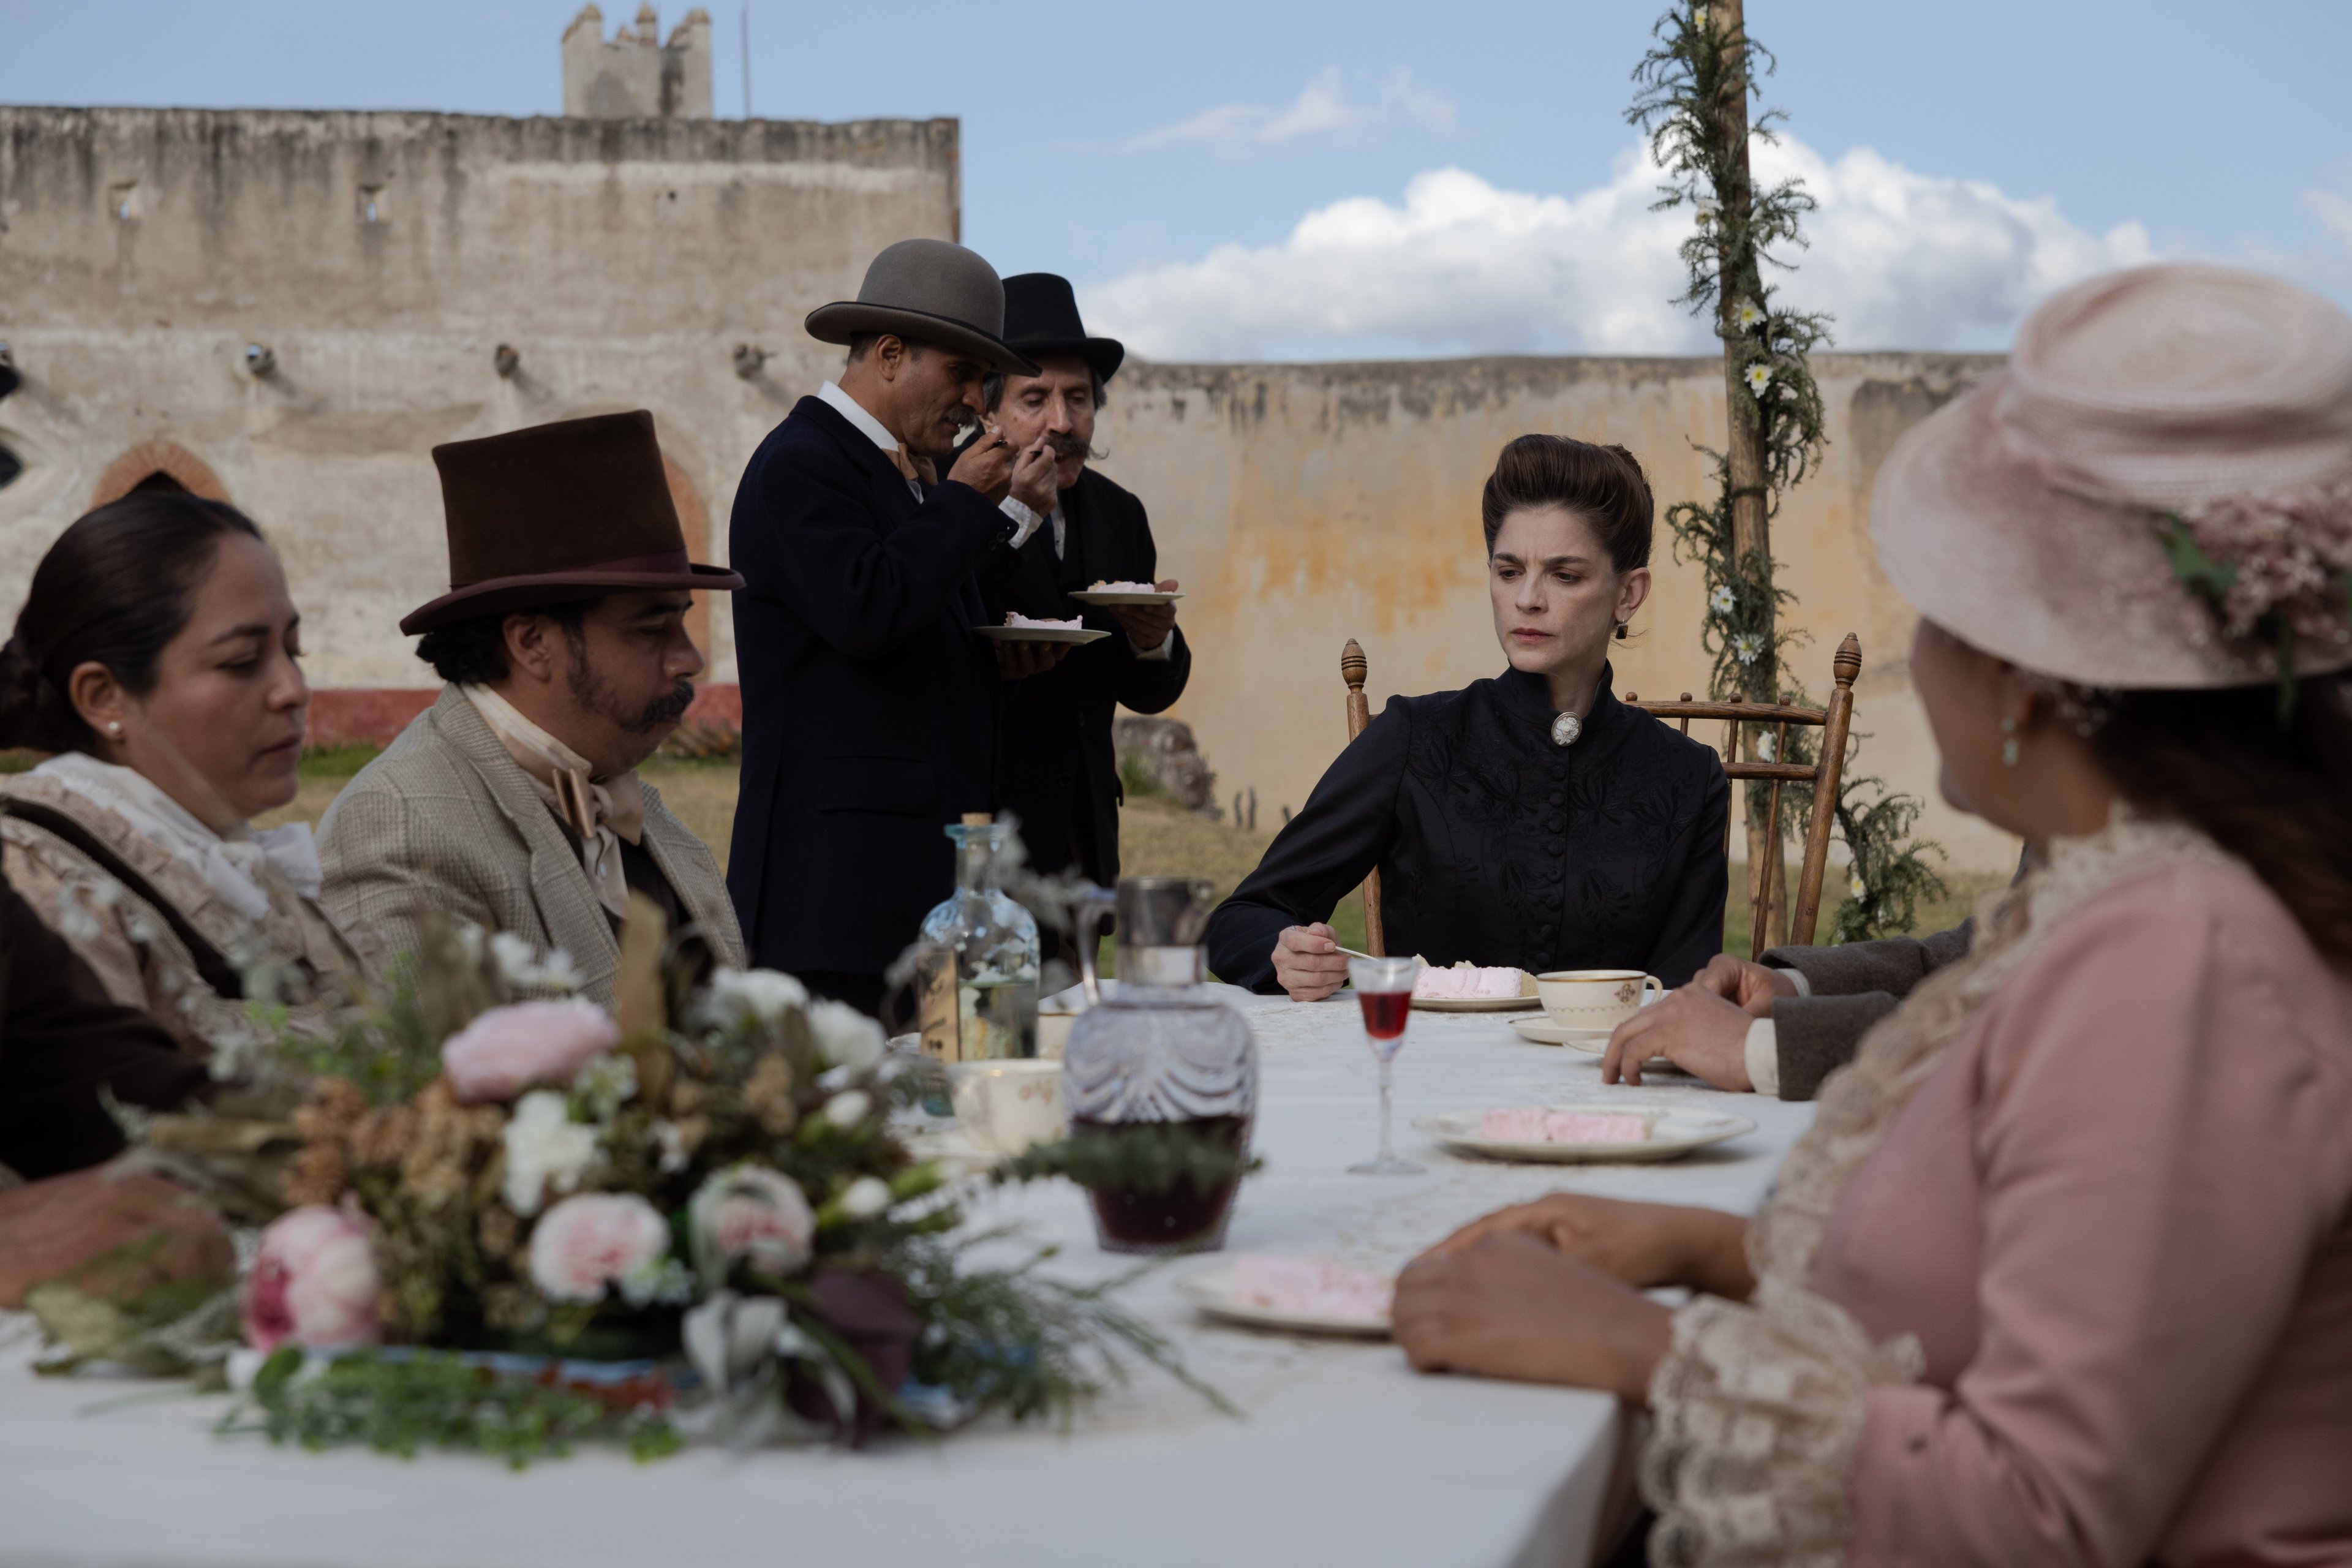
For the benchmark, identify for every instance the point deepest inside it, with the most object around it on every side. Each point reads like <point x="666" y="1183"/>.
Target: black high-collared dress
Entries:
<point x="1497" y="845"/>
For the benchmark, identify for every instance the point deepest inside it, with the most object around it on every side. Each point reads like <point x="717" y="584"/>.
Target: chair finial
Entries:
<point x="1847" y="664"/>
<point x="1352" y="665"/>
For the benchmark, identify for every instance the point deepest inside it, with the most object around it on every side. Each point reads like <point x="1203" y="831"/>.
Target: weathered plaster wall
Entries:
<point x="624" y="260"/>
<point x="141" y="249"/>
<point x="1302" y="505"/>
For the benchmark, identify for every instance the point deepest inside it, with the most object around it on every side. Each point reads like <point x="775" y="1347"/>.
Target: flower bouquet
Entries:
<point x="488" y="1213"/>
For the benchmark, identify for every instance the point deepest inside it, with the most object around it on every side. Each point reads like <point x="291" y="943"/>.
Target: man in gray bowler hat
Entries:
<point x="870" y="704"/>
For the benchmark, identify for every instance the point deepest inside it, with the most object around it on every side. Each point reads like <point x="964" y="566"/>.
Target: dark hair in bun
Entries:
<point x="115" y="589"/>
<point x="1603" y="485"/>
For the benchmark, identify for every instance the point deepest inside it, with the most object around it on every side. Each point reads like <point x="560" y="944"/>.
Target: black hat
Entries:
<point x="559" y="512"/>
<point x="927" y="291"/>
<point x="1041" y="319"/>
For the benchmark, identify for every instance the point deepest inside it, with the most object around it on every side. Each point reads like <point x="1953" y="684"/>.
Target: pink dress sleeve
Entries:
<point x="2160" y="1128"/>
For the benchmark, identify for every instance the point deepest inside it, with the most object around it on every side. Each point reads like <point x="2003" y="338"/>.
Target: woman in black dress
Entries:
<point x="1532" y="820"/>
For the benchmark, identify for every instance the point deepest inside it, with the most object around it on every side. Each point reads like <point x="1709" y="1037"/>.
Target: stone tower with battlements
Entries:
<point x="633" y="75"/>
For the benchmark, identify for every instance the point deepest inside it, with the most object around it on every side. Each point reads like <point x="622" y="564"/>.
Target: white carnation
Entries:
<point x="848" y="1108"/>
<point x="765" y="995"/>
<point x="867" y="1196"/>
<point x="546" y="1150"/>
<point x="846" y="1036"/>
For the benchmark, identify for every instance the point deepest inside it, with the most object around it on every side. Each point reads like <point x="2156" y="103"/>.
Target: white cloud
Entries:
<point x="1901" y="259"/>
<point x="1321" y="108"/>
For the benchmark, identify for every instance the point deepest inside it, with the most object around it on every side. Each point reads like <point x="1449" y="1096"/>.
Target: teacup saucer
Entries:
<point x="1544" y="1032"/>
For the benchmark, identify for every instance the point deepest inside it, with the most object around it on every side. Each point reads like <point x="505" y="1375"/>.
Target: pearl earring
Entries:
<point x="114" y="727"/>
<point x="2009" y="746"/>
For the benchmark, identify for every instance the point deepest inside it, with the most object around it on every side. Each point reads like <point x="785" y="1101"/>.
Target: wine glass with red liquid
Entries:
<point x="1384" y="991"/>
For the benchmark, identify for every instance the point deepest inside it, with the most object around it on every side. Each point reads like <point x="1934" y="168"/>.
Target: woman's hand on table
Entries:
<point x="1509" y="1306"/>
<point x="1308" y="962"/>
<point x="1641" y="1245"/>
<point x="1696" y="1029"/>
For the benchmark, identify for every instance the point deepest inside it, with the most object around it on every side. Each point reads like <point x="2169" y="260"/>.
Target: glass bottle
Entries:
<point x="994" y="942"/>
<point x="1160" y="1051"/>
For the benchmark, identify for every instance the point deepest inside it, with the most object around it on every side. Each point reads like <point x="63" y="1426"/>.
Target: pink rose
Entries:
<point x="313" y="1283"/>
<point x="507" y="1050"/>
<point x="586" y="1243"/>
<point x="750" y="1212"/>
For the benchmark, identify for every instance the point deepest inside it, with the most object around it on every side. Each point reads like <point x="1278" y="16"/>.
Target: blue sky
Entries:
<point x="1231" y="179"/>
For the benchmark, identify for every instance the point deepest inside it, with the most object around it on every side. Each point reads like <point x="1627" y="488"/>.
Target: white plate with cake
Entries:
<point x="1580" y="1134"/>
<point x="1022" y="628"/>
<point x="1124" y="593"/>
<point x="1466" y="988"/>
<point x="1294" y="1295"/>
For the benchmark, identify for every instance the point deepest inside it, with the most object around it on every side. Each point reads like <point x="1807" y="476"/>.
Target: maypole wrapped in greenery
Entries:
<point x="1693" y="104"/>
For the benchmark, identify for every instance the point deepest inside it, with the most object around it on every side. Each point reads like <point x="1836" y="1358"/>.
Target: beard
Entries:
<point x="590" y="693"/>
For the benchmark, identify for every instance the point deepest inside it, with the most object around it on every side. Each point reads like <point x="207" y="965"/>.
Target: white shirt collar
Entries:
<point x="849" y="408"/>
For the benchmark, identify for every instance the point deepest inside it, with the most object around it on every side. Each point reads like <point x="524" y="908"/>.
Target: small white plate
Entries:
<point x="1476" y="1004"/>
<point x="1675" y="1132"/>
<point x="1039" y="634"/>
<point x="1211" y="1290"/>
<point x="1106" y="596"/>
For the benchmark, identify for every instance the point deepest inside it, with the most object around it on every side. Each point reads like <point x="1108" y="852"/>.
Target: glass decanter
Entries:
<point x="1159" y="1050"/>
<point x="994" y="942"/>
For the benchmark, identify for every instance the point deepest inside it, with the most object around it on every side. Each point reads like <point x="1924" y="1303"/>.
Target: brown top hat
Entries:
<point x="927" y="291"/>
<point x="1041" y="319"/>
<point x="559" y="512"/>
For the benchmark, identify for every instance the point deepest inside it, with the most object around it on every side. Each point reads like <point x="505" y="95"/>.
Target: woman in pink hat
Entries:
<point x="2063" y="1270"/>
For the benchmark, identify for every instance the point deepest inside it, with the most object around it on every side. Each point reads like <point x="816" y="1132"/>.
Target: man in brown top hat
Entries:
<point x="513" y="800"/>
<point x="869" y="699"/>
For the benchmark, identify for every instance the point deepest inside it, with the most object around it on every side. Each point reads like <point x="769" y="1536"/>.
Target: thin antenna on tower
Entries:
<point x="746" y="15"/>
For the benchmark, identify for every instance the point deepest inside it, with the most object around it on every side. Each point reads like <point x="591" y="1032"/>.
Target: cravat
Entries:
<point x="914" y="466"/>
<point x="600" y="813"/>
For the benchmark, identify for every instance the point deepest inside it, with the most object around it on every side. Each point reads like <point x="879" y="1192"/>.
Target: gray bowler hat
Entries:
<point x="927" y="291"/>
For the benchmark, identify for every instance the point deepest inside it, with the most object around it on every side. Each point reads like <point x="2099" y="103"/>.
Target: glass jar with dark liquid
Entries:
<point x="1158" y="1051"/>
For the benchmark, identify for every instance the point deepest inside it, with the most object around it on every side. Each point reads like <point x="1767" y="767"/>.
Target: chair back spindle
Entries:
<point x="1352" y="670"/>
<point x="1823" y="774"/>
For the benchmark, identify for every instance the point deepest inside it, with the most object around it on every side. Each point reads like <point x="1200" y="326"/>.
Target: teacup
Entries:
<point x="1593" y="998"/>
<point x="1006" y="1106"/>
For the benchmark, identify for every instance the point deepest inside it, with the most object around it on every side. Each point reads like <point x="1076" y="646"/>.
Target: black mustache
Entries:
<point x="664" y="711"/>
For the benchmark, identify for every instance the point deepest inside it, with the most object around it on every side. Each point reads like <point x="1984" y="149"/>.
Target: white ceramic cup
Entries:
<point x="1006" y="1106"/>
<point x="1593" y="998"/>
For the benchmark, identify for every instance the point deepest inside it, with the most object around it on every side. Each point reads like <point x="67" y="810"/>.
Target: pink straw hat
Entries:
<point x="2156" y="491"/>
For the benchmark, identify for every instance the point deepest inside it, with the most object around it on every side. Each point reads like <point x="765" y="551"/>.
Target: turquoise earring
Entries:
<point x="2009" y="746"/>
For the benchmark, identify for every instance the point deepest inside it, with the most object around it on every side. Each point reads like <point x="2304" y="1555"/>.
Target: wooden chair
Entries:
<point x="1823" y="775"/>
<point x="1360" y="713"/>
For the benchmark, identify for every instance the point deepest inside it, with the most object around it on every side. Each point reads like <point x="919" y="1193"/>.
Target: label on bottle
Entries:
<point x="937" y="1012"/>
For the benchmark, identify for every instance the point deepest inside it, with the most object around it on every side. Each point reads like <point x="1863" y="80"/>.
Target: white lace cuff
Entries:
<point x="1759" y="1411"/>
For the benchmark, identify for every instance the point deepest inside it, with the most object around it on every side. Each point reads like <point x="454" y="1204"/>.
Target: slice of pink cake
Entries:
<point x="1015" y="618"/>
<point x="1465" y="981"/>
<point x="1537" y="1124"/>
<point x="1312" y="1287"/>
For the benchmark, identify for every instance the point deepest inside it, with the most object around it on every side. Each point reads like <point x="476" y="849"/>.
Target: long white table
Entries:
<point x="1344" y="1454"/>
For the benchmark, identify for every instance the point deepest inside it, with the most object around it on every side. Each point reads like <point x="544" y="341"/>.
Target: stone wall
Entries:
<point x="1303" y="505"/>
<point x="384" y="260"/>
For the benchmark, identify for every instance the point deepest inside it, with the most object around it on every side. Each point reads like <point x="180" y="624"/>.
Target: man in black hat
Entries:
<point x="513" y="802"/>
<point x="1059" y="774"/>
<point x="869" y="699"/>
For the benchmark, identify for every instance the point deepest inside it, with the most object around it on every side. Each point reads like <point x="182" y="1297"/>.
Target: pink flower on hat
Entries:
<point x="313" y="1283"/>
<point x="2284" y="551"/>
<point x="509" y="1050"/>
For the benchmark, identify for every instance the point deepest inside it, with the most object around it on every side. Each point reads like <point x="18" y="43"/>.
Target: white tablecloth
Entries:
<point x="1344" y="1457"/>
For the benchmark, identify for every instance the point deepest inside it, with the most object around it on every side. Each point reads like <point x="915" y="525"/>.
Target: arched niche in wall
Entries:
<point x="694" y="524"/>
<point x="157" y="465"/>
